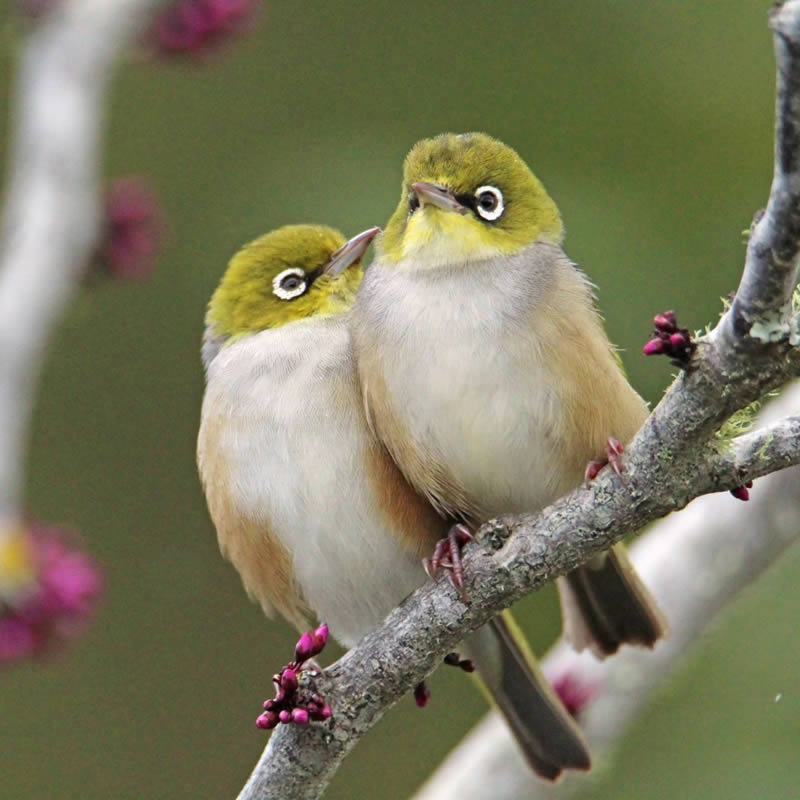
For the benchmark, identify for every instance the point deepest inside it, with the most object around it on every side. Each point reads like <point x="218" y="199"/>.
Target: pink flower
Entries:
<point x="133" y="230"/>
<point x="55" y="596"/>
<point x="198" y="26"/>
<point x="575" y="693"/>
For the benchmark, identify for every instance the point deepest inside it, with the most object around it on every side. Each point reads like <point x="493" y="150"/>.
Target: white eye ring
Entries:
<point x="295" y="291"/>
<point x="490" y="213"/>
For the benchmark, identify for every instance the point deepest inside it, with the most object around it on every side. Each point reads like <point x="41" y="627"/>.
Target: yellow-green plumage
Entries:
<point x="244" y="301"/>
<point x="461" y="163"/>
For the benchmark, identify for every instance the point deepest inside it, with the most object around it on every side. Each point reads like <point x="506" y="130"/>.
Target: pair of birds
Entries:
<point x="350" y="418"/>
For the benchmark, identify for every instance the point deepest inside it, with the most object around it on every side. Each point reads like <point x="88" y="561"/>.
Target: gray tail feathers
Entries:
<point x="605" y="604"/>
<point x="549" y="737"/>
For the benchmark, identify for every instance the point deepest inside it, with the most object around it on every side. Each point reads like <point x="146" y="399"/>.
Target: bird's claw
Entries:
<point x="447" y="555"/>
<point x="613" y="459"/>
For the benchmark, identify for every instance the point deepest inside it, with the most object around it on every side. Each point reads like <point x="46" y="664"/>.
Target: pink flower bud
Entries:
<point x="289" y="680"/>
<point x="422" y="695"/>
<point x="134" y="229"/>
<point x="741" y="493"/>
<point x="300" y="716"/>
<point x="326" y="713"/>
<point x="678" y="341"/>
<point x="267" y="721"/>
<point x="197" y="26"/>
<point x="305" y="648"/>
<point x="666" y="321"/>
<point x="320" y="638"/>
<point x="574" y="692"/>
<point x="285" y="717"/>
<point x="654" y="347"/>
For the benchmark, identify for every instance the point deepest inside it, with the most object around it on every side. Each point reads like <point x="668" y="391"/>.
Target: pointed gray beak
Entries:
<point x="431" y="194"/>
<point x="350" y="252"/>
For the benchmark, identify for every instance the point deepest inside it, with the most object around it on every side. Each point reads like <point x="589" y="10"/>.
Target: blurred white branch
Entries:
<point x="695" y="562"/>
<point x="50" y="211"/>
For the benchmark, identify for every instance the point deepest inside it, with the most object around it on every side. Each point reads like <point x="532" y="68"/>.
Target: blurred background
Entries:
<point x="651" y="126"/>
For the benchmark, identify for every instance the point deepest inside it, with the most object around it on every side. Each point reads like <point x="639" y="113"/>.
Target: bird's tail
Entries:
<point x="605" y="604"/>
<point x="549" y="737"/>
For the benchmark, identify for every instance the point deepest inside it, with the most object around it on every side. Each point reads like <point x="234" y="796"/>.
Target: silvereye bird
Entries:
<point x="307" y="504"/>
<point x="485" y="367"/>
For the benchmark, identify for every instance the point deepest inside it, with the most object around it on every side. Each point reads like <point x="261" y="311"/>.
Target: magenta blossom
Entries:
<point x="48" y="591"/>
<point x="199" y="26"/>
<point x="133" y="230"/>
<point x="574" y="692"/>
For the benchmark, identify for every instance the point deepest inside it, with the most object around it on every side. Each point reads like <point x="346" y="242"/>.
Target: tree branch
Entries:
<point x="50" y="215"/>
<point x="673" y="459"/>
<point x="695" y="562"/>
<point x="762" y="307"/>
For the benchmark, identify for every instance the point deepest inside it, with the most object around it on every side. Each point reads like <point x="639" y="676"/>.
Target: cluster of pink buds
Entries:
<point x="291" y="703"/>
<point x="670" y="340"/>
<point x="198" y="26"/>
<point x="741" y="492"/>
<point x="133" y="230"/>
<point x="48" y="591"/>
<point x="575" y="694"/>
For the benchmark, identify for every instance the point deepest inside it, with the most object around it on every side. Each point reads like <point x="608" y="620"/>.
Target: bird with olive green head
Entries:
<point x="485" y="367"/>
<point x="307" y="504"/>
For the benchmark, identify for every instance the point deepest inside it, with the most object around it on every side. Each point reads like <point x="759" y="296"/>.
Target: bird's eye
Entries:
<point x="489" y="202"/>
<point x="413" y="203"/>
<point x="289" y="284"/>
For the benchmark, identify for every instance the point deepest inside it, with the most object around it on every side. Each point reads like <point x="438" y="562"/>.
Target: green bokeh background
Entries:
<point x="650" y="124"/>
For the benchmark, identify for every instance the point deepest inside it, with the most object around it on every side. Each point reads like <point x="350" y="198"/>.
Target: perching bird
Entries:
<point x="485" y="367"/>
<point x="306" y="502"/>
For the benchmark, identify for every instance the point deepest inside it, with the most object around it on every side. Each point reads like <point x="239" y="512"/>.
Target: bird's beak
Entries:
<point x="350" y="252"/>
<point x="431" y="194"/>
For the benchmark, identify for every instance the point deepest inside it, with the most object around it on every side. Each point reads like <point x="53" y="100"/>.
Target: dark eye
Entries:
<point x="289" y="284"/>
<point x="413" y="203"/>
<point x="489" y="202"/>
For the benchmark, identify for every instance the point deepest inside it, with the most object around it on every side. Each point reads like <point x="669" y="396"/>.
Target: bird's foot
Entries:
<point x="455" y="660"/>
<point x="293" y="702"/>
<point x="613" y="459"/>
<point x="447" y="555"/>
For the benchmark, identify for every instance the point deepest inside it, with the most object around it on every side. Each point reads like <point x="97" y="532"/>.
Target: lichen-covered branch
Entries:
<point x="50" y="211"/>
<point x="674" y="458"/>
<point x="695" y="562"/>
<point x="762" y="307"/>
